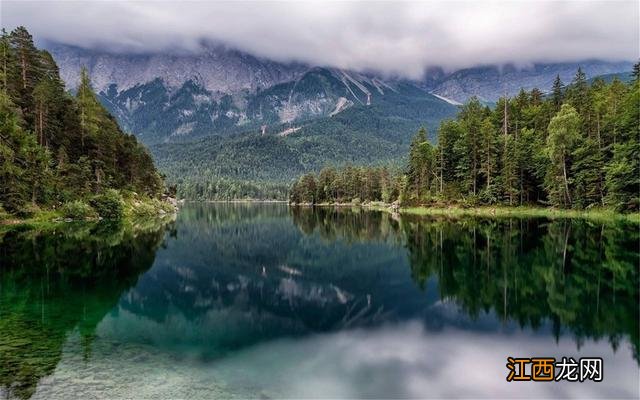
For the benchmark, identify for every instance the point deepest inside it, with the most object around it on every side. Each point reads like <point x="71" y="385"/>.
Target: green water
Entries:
<point x="238" y="300"/>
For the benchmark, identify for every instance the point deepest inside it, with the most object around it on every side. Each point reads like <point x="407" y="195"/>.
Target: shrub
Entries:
<point x="144" y="209"/>
<point x="78" y="210"/>
<point x="108" y="205"/>
<point x="163" y="206"/>
<point x="28" y="210"/>
<point x="3" y="213"/>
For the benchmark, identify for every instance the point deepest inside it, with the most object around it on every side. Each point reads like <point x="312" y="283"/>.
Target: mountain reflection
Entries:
<point x="241" y="274"/>
<point x="229" y="277"/>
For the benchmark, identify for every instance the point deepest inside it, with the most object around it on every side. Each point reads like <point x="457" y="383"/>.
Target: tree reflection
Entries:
<point x="580" y="276"/>
<point x="56" y="281"/>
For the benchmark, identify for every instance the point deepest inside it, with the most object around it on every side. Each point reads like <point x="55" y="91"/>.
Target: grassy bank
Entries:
<point x="603" y="215"/>
<point x="130" y="209"/>
<point x="599" y="214"/>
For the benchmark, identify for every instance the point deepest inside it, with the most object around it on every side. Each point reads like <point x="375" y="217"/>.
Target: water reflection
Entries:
<point x="581" y="276"/>
<point x="264" y="300"/>
<point x="56" y="281"/>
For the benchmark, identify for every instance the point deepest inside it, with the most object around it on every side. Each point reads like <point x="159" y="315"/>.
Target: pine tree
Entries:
<point x="510" y="170"/>
<point x="578" y="96"/>
<point x="22" y="162"/>
<point x="308" y="189"/>
<point x="636" y="71"/>
<point x="420" y="167"/>
<point x="557" y="96"/>
<point x="326" y="183"/>
<point x="622" y="173"/>
<point x="23" y="78"/>
<point x="623" y="177"/>
<point x="6" y="61"/>
<point x="449" y="134"/>
<point x="468" y="169"/>
<point x="489" y="158"/>
<point x="587" y="170"/>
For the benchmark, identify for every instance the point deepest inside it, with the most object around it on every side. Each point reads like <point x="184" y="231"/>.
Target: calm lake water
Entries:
<point x="260" y="300"/>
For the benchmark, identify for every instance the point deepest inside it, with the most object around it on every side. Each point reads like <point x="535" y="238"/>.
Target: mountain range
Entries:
<point x="176" y="97"/>
<point x="225" y="114"/>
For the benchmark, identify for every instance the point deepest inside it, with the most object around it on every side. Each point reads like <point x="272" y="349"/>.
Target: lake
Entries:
<point x="263" y="300"/>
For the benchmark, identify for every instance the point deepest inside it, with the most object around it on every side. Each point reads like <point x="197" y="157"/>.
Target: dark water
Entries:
<point x="266" y="301"/>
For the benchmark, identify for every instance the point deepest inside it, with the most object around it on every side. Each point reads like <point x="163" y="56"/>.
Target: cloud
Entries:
<point x="395" y="38"/>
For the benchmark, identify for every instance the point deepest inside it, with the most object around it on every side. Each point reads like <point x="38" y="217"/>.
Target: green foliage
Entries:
<point x="263" y="166"/>
<point x="348" y="185"/>
<point x="421" y="167"/>
<point x="148" y="208"/>
<point x="78" y="210"/>
<point x="108" y="205"/>
<point x="564" y="134"/>
<point x="55" y="148"/>
<point x="623" y="177"/>
<point x="28" y="210"/>
<point x="578" y="148"/>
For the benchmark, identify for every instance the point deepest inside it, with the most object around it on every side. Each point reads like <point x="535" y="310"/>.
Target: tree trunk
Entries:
<point x="441" y="168"/>
<point x="24" y="71"/>
<point x="489" y="164"/>
<point x="4" y="70"/>
<point x="41" y="124"/>
<point x="566" y="182"/>
<point x="505" y="122"/>
<point x="600" y="178"/>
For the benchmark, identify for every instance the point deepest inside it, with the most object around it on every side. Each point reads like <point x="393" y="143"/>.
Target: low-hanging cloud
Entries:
<point x="400" y="38"/>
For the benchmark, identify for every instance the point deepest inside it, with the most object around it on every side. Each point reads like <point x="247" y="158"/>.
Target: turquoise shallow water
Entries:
<point x="238" y="300"/>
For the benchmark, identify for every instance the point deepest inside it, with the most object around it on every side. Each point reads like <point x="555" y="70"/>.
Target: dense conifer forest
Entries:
<point x="62" y="151"/>
<point x="576" y="147"/>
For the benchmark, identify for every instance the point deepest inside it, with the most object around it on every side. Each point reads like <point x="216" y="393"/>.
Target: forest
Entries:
<point x="577" y="147"/>
<point x="61" y="151"/>
<point x="251" y="165"/>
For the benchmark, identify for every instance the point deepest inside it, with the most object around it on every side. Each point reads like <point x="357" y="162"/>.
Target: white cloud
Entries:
<point x="395" y="38"/>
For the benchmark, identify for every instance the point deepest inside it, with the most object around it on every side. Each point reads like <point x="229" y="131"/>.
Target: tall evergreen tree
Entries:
<point x="449" y="134"/>
<point x="421" y="165"/>
<point x="471" y="116"/>
<point x="489" y="160"/>
<point x="557" y="93"/>
<point x="510" y="170"/>
<point x="23" y="78"/>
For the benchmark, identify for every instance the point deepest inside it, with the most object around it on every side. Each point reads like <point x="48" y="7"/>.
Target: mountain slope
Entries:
<point x="158" y="113"/>
<point x="360" y="134"/>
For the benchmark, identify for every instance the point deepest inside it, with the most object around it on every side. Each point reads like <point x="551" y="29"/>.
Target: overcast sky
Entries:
<point x="395" y="38"/>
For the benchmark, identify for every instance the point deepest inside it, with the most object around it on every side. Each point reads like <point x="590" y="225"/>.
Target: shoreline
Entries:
<point x="235" y="201"/>
<point x="135" y="210"/>
<point x="606" y="215"/>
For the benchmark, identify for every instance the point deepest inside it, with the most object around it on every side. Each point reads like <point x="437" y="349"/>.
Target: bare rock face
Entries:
<point x="217" y="69"/>
<point x="163" y="97"/>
